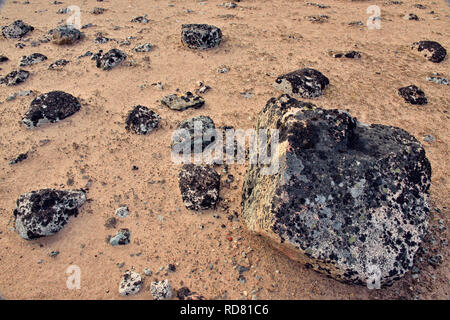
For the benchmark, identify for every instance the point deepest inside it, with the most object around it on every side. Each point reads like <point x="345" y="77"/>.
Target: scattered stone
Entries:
<point x="142" y="120"/>
<point x="146" y="47"/>
<point x="350" y="55"/>
<point x="111" y="59"/>
<point x="161" y="290"/>
<point x="413" y="95"/>
<point x="58" y="63"/>
<point x="350" y="200"/>
<point x="411" y="16"/>
<point x="121" y="238"/>
<point x="35" y="43"/>
<point x="3" y="58"/>
<point x="17" y="29"/>
<point x="98" y="10"/>
<point x="19" y="158"/>
<point x="321" y="18"/>
<point x="197" y="132"/>
<point x="111" y="223"/>
<point x="303" y="83"/>
<point x="420" y="6"/>
<point x="199" y="186"/>
<point x="200" y="36"/>
<point x="429" y="138"/>
<point x="171" y="267"/>
<point x="44" y="212"/>
<point x="53" y="254"/>
<point x="318" y="5"/>
<point x="15" y="77"/>
<point x="438" y="80"/>
<point x="65" y="35"/>
<point x="50" y="107"/>
<point x="63" y="11"/>
<point x="100" y="39"/>
<point x="131" y="283"/>
<point x="31" y="59"/>
<point x="356" y="23"/>
<point x="20" y="45"/>
<point x="123" y="212"/>
<point x="223" y="69"/>
<point x="228" y="5"/>
<point x="185" y="293"/>
<point x="140" y="19"/>
<point x="204" y="89"/>
<point x="181" y="102"/>
<point x="88" y="25"/>
<point x="148" y="272"/>
<point x="431" y="50"/>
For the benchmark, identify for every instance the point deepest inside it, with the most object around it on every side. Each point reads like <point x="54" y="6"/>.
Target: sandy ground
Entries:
<point x="262" y="39"/>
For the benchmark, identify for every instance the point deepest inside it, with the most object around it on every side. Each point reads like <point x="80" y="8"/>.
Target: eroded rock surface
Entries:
<point x="349" y="200"/>
<point x="142" y="120"/>
<point x="200" y="36"/>
<point x="182" y="102"/>
<point x="431" y="50"/>
<point x="303" y="83"/>
<point x="45" y="212"/>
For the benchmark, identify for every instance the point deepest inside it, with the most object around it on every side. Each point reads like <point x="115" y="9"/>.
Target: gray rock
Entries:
<point x="15" y="77"/>
<point x="431" y="50"/>
<point x="411" y="16"/>
<point x="413" y="95"/>
<point x="65" y="35"/>
<point x="50" y="107"/>
<point x="44" y="212"/>
<point x="199" y="186"/>
<point x="121" y="238"/>
<point x="31" y="59"/>
<point x="58" y="63"/>
<point x="123" y="212"/>
<point x="142" y="120"/>
<point x="161" y="290"/>
<point x="17" y="29"/>
<point x="349" y="200"/>
<point x="198" y="132"/>
<point x="130" y="284"/>
<point x="98" y="10"/>
<point x="141" y="19"/>
<point x="200" y="36"/>
<point x="303" y="83"/>
<point x="19" y="158"/>
<point x="182" y="102"/>
<point x="111" y="59"/>
<point x="146" y="47"/>
<point x="438" y="80"/>
<point x="148" y="272"/>
<point x="429" y="138"/>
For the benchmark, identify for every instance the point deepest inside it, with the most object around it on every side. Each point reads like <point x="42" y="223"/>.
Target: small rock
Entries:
<point x="303" y="83"/>
<point x="161" y="290"/>
<point x="121" y="238"/>
<point x="181" y="102"/>
<point x="131" y="283"/>
<point x="98" y="10"/>
<point x="111" y="223"/>
<point x="65" y="35"/>
<point x="140" y="19"/>
<point x="438" y="80"/>
<point x="431" y="50"/>
<point x="31" y="59"/>
<point x="142" y="120"/>
<point x="411" y="16"/>
<point x="413" y="95"/>
<point x="15" y="77"/>
<point x="111" y="59"/>
<point x="58" y="63"/>
<point x="19" y="158"/>
<point x="200" y="36"/>
<point x="198" y="132"/>
<point x="148" y="272"/>
<point x="429" y="138"/>
<point x="146" y="47"/>
<point x="122" y="212"/>
<point x="53" y="254"/>
<point x="3" y="58"/>
<point x="17" y="29"/>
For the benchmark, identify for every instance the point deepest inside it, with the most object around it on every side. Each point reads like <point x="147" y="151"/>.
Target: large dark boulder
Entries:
<point x="304" y="83"/>
<point x="431" y="50"/>
<point x="45" y="212"/>
<point x="350" y="200"/>
<point x="200" y="36"/>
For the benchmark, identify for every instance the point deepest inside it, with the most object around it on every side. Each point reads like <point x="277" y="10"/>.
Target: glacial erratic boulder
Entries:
<point x="142" y="120"/>
<point x="350" y="200"/>
<point x="200" y="36"/>
<point x="50" y="107"/>
<point x="304" y="83"/>
<point x="45" y="212"/>
<point x="431" y="50"/>
<point x="16" y="30"/>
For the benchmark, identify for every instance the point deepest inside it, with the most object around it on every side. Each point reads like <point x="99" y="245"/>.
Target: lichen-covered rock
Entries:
<point x="121" y="238"/>
<point x="146" y="47"/>
<point x="161" y="290"/>
<point x="182" y="102"/>
<point x="199" y="186"/>
<point x="198" y="132"/>
<point x="350" y="200"/>
<point x="200" y="36"/>
<point x="142" y="120"/>
<point x="17" y="29"/>
<point x="15" y="77"/>
<point x="50" y="107"/>
<point x="44" y="212"/>
<point x="185" y="293"/>
<point x="303" y="83"/>
<point x="31" y="59"/>
<point x="431" y="50"/>
<point x="111" y="59"/>
<point x="130" y="284"/>
<point x="413" y="95"/>
<point x="65" y="35"/>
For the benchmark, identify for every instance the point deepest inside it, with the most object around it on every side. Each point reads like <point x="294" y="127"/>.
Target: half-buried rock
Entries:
<point x="49" y="108"/>
<point x="431" y="50"/>
<point x="15" y="77"/>
<point x="412" y="94"/>
<point x="199" y="186"/>
<point x="111" y="59"/>
<point x="182" y="102"/>
<point x="44" y="212"/>
<point x="303" y="83"/>
<point x="31" y="59"/>
<point x="65" y="35"/>
<point x="194" y="135"/>
<point x="17" y="29"/>
<point x="350" y="200"/>
<point x="142" y="120"/>
<point x="200" y="36"/>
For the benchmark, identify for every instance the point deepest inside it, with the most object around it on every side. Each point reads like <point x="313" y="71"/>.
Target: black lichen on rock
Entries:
<point x="199" y="186"/>
<point x="45" y="212"/>
<point x="50" y="107"/>
<point x="303" y="83"/>
<point x="32" y="59"/>
<point x="182" y="102"/>
<point x="412" y="94"/>
<point x="350" y="200"/>
<point x="142" y="120"/>
<point x="15" y="77"/>
<point x="431" y="50"/>
<point x="17" y="29"/>
<point x="200" y="36"/>
<point x="111" y="59"/>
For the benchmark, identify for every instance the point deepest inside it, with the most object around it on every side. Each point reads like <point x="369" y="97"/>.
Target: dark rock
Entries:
<point x="15" y="77"/>
<point x="303" y="83"/>
<point x="141" y="19"/>
<point x="58" y="63"/>
<point x="171" y="267"/>
<point x="111" y="59"/>
<point x="17" y="29"/>
<point x="413" y="95"/>
<point x="182" y="102"/>
<point x="31" y="59"/>
<point x="3" y="58"/>
<point x="185" y="293"/>
<point x="121" y="238"/>
<point x="161" y="290"/>
<point x="353" y="55"/>
<point x="20" y="45"/>
<point x="146" y="47"/>
<point x="65" y="35"/>
<point x="411" y="16"/>
<point x="199" y="186"/>
<point x="142" y="120"/>
<point x="50" y="107"/>
<point x="350" y="200"/>
<point x="431" y="50"/>
<point x="200" y="36"/>
<point x="438" y="80"/>
<point x="198" y="132"/>
<point x="130" y="284"/>
<point x="19" y="158"/>
<point x="45" y="212"/>
<point x="98" y="10"/>
<point x="321" y="18"/>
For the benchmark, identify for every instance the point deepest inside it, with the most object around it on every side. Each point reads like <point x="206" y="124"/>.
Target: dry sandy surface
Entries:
<point x="262" y="39"/>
